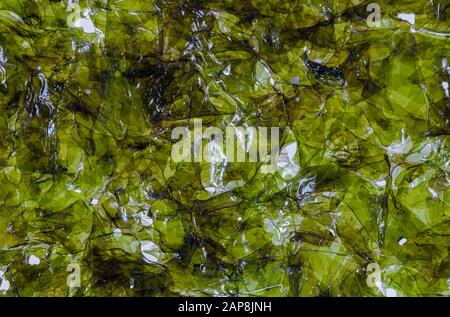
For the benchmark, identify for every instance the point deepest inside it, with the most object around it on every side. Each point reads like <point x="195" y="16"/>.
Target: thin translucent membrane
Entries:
<point x="92" y="202"/>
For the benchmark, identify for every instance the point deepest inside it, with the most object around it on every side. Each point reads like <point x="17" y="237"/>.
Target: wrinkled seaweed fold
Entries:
<point x="90" y="92"/>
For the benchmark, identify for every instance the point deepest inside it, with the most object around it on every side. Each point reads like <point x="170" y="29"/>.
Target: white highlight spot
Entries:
<point x="390" y="292"/>
<point x="4" y="285"/>
<point x="287" y="167"/>
<point x="146" y="220"/>
<point x="433" y="193"/>
<point x="117" y="232"/>
<point x="149" y="251"/>
<point x="408" y="17"/>
<point x="445" y="86"/>
<point x="295" y="81"/>
<point x="402" y="241"/>
<point x="400" y="148"/>
<point x="227" y="70"/>
<point x="287" y="154"/>
<point x="86" y="24"/>
<point x="34" y="260"/>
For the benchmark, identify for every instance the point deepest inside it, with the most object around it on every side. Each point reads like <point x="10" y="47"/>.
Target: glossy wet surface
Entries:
<point x="91" y="202"/>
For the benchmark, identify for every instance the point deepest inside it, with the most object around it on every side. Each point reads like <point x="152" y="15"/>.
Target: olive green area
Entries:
<point x="86" y="115"/>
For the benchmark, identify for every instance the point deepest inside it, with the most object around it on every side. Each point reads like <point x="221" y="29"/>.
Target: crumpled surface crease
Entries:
<point x="91" y="90"/>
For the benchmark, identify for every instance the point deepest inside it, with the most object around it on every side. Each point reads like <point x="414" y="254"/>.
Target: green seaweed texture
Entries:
<point x="89" y="99"/>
